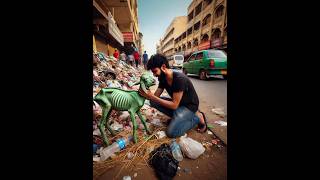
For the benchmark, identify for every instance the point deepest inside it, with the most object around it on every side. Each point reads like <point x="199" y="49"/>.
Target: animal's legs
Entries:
<point x="105" y="117"/>
<point x="134" y="123"/>
<point x="143" y="122"/>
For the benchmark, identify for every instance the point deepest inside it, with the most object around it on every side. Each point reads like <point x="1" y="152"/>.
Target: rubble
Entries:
<point x="221" y="123"/>
<point x="218" y="111"/>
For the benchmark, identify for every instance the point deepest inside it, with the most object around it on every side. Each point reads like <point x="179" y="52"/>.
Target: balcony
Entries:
<point x="196" y="34"/>
<point x="218" y="19"/>
<point x="198" y="18"/>
<point x="219" y="2"/>
<point x="207" y="10"/>
<point x="114" y="30"/>
<point x="190" y="24"/>
<point x="217" y="24"/>
<point x="205" y="29"/>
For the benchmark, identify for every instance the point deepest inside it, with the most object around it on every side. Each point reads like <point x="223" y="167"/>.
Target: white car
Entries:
<point x="177" y="61"/>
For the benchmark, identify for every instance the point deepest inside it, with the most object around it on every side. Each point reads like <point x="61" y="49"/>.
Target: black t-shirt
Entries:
<point x="182" y="83"/>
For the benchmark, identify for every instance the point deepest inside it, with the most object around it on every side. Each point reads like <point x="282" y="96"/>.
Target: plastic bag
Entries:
<point x="163" y="162"/>
<point x="191" y="148"/>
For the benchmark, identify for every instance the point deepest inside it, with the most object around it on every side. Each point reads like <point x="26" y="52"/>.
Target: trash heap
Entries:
<point x="110" y="72"/>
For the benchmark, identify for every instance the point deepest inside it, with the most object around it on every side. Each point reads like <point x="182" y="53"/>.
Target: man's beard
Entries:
<point x="162" y="77"/>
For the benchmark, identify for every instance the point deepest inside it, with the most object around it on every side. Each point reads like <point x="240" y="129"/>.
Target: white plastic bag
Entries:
<point x="191" y="148"/>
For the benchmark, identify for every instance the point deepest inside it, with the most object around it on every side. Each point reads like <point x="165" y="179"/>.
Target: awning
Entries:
<point x="204" y="45"/>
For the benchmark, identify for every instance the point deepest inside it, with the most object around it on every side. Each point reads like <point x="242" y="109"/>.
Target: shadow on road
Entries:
<point x="209" y="79"/>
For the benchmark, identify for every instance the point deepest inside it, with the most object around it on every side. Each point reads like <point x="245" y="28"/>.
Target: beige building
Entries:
<point x="159" y="46"/>
<point x="125" y="25"/>
<point x="206" y="27"/>
<point x="176" y="27"/>
<point x="140" y="44"/>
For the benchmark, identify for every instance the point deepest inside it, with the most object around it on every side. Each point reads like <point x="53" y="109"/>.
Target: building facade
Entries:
<point x="123" y="29"/>
<point x="176" y="27"/>
<point x="206" y="27"/>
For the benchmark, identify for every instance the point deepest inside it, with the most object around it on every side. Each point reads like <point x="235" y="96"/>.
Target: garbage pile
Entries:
<point x="110" y="72"/>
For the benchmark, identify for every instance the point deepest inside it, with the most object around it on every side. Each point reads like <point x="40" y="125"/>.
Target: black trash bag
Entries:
<point x="163" y="162"/>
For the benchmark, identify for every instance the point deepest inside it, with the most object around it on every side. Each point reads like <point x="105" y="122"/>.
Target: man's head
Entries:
<point x="145" y="51"/>
<point x="158" y="64"/>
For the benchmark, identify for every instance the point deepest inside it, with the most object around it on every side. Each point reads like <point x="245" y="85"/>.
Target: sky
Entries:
<point x="155" y="16"/>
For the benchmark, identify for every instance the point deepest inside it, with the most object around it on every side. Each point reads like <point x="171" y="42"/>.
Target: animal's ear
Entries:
<point x="143" y="87"/>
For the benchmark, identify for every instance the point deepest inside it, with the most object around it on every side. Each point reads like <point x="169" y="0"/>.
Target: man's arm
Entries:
<point x="158" y="92"/>
<point x="174" y="104"/>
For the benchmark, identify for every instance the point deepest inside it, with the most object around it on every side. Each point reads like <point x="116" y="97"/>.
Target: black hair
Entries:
<point x="156" y="61"/>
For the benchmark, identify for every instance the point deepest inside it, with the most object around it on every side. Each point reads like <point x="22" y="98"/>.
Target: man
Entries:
<point x="123" y="56"/>
<point x="136" y="58"/>
<point x="131" y="59"/>
<point x="183" y="105"/>
<point x="145" y="59"/>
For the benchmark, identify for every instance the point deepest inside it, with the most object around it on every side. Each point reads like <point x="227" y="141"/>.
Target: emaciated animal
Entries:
<point x="123" y="100"/>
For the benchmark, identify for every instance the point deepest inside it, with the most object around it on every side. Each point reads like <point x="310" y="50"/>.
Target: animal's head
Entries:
<point x="147" y="79"/>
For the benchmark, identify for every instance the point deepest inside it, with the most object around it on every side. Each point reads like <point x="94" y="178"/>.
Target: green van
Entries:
<point x="206" y="63"/>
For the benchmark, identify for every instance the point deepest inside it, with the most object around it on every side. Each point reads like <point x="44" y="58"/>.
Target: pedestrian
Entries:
<point x="116" y="54"/>
<point x="123" y="56"/>
<point x="182" y="105"/>
<point x="145" y="59"/>
<point x="136" y="58"/>
<point x="131" y="59"/>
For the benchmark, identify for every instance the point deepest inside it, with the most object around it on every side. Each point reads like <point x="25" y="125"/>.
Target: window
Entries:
<point x="208" y="1"/>
<point x="178" y="58"/>
<point x="189" y="31"/>
<point x="184" y="47"/>
<point x="216" y="34"/>
<point x="189" y="45"/>
<point x="192" y="57"/>
<point x="206" y="20"/>
<point x="198" y="9"/>
<point x="197" y="26"/>
<point x="216" y="54"/>
<point x="219" y="11"/>
<point x="195" y="42"/>
<point x="199" y="56"/>
<point x="190" y="16"/>
<point x="205" y="37"/>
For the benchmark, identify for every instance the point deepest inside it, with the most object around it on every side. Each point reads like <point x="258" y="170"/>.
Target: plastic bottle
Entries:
<point x="175" y="149"/>
<point x="115" y="147"/>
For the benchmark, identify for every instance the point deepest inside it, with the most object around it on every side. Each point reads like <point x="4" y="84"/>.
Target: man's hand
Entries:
<point x="147" y="95"/>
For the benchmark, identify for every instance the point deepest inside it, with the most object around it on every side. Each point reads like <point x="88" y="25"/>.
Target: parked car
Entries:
<point x="206" y="63"/>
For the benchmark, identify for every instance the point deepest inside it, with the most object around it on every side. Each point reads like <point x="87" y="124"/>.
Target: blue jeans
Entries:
<point x="182" y="119"/>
